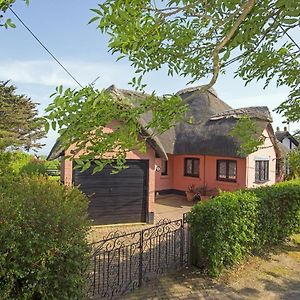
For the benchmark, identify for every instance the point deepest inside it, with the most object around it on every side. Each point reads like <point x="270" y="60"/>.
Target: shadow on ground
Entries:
<point x="274" y="276"/>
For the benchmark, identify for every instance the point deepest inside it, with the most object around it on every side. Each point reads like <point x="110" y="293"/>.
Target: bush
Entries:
<point x="278" y="213"/>
<point x="43" y="251"/>
<point x="233" y="225"/>
<point x="21" y="163"/>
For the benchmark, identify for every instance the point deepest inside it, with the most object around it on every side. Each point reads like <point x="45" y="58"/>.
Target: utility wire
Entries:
<point x="290" y="37"/>
<point x="47" y="50"/>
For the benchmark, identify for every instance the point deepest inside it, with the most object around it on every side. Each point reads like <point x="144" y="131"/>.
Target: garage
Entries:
<point x="116" y="198"/>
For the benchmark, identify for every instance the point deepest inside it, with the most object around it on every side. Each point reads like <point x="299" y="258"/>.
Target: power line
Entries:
<point x="94" y="80"/>
<point x="290" y="37"/>
<point x="47" y="50"/>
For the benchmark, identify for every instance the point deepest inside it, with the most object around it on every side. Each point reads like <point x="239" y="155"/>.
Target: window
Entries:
<point x="261" y="170"/>
<point x="278" y="166"/>
<point x="164" y="167"/>
<point x="226" y="170"/>
<point x="191" y="167"/>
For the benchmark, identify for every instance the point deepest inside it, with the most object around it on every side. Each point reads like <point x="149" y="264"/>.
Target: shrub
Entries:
<point x="43" y="251"/>
<point x="278" y="213"/>
<point x="52" y="164"/>
<point x="233" y="225"/>
<point x="223" y="229"/>
<point x="21" y="163"/>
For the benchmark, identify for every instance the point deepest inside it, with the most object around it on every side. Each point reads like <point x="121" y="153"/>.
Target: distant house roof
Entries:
<point x="214" y="120"/>
<point x="281" y="135"/>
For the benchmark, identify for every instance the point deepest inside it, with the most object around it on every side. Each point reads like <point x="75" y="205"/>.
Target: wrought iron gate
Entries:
<point x="122" y="262"/>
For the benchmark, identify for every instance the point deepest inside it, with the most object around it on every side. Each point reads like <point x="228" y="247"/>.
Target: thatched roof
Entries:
<point x="213" y="120"/>
<point x="254" y="112"/>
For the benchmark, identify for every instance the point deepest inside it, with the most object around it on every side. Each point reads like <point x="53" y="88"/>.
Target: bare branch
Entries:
<point x="216" y="60"/>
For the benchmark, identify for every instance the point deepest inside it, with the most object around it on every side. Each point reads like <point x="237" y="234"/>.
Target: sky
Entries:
<point x="62" y="27"/>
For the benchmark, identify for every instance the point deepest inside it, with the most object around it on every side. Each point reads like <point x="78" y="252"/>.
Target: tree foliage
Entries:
<point x="294" y="163"/>
<point x="196" y="38"/>
<point x="19" y="124"/>
<point x="248" y="134"/>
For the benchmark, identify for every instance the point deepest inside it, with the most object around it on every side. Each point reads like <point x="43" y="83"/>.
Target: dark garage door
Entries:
<point x="116" y="198"/>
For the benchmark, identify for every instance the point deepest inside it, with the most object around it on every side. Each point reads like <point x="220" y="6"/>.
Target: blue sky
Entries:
<point x="62" y="27"/>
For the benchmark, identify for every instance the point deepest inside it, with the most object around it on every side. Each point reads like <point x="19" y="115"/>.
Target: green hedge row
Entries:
<point x="43" y="247"/>
<point x="233" y="225"/>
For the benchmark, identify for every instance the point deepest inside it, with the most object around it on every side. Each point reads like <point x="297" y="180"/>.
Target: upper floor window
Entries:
<point x="226" y="170"/>
<point x="164" y="167"/>
<point x="261" y="170"/>
<point x="191" y="167"/>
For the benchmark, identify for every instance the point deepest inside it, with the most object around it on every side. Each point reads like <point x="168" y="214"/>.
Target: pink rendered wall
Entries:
<point x="266" y="151"/>
<point x="208" y="176"/>
<point x="211" y="174"/>
<point x="67" y="171"/>
<point x="164" y="182"/>
<point x="181" y="182"/>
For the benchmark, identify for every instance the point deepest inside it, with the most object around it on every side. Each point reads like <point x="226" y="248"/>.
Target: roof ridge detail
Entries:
<point x="259" y="112"/>
<point x="197" y="88"/>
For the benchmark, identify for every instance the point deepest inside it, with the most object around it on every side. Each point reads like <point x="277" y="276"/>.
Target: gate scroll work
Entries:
<point x="122" y="262"/>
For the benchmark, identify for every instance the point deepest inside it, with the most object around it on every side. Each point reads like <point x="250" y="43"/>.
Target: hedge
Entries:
<point x="43" y="250"/>
<point x="236" y="224"/>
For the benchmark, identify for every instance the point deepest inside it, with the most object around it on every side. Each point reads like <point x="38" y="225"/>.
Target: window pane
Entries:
<point x="196" y="167"/>
<point x="257" y="171"/>
<point x="164" y="167"/>
<point x="266" y="170"/>
<point x="222" y="169"/>
<point x="188" y="166"/>
<point x="232" y="170"/>
<point x="261" y="171"/>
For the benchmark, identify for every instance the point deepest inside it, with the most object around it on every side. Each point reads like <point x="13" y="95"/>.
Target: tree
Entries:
<point x="294" y="164"/>
<point x="249" y="135"/>
<point x="196" y="38"/>
<point x="19" y="124"/>
<point x="193" y="38"/>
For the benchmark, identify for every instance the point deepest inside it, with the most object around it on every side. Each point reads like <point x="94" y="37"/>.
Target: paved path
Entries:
<point x="275" y="277"/>
<point x="166" y="207"/>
